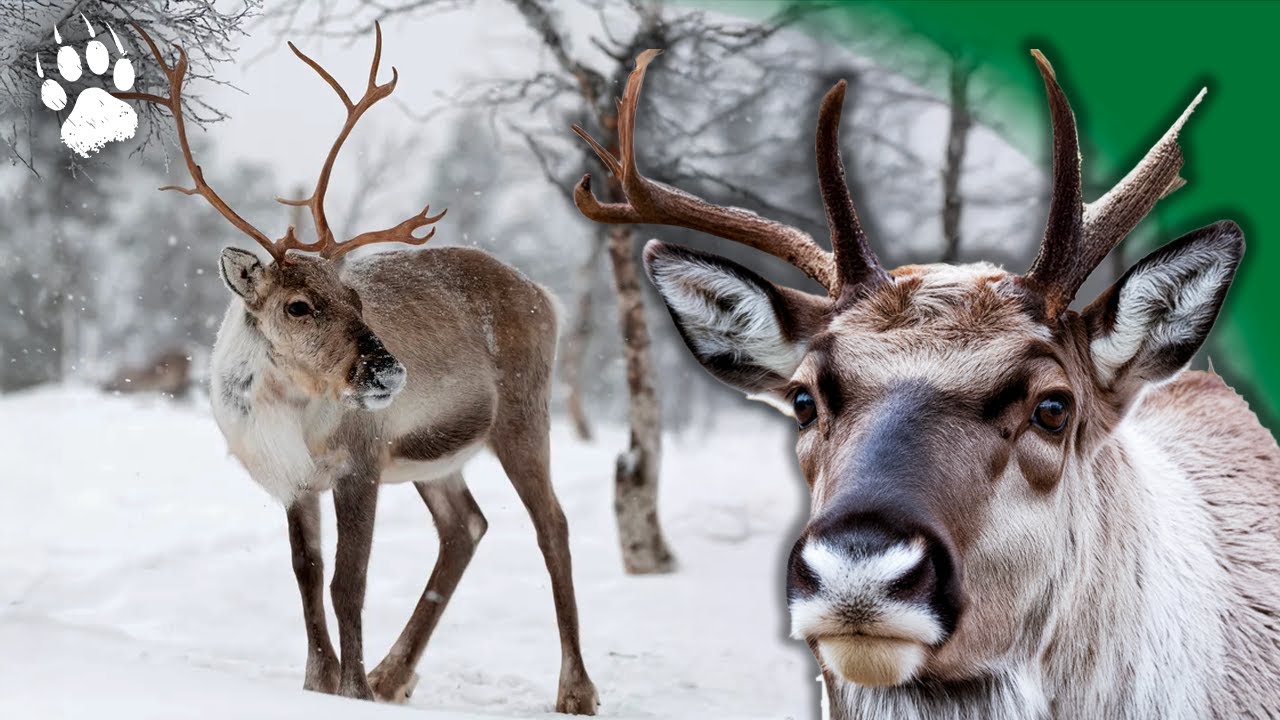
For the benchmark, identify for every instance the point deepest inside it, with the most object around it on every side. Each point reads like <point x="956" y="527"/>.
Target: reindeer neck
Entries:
<point x="1138" y="604"/>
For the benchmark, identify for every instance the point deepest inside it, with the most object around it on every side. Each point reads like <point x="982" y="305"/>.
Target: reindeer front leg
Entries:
<point x="308" y="568"/>
<point x="355" y="499"/>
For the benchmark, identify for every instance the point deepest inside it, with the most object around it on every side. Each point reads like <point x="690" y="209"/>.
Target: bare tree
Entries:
<point x="209" y="27"/>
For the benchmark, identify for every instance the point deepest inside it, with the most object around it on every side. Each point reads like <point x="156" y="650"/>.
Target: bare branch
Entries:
<point x="562" y="185"/>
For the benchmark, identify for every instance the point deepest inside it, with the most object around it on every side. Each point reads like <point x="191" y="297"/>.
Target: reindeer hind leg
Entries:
<point x="460" y="525"/>
<point x="525" y="453"/>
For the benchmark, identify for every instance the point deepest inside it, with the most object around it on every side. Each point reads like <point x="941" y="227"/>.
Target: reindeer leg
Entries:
<point x="308" y="568"/>
<point x="525" y="454"/>
<point x="355" y="500"/>
<point x="460" y="525"/>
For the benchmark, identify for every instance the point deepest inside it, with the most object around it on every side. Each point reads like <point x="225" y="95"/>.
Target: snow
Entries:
<point x="143" y="575"/>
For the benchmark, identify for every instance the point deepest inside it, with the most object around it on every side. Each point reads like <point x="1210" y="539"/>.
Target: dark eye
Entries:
<point x="298" y="308"/>
<point x="805" y="409"/>
<point x="1052" y="413"/>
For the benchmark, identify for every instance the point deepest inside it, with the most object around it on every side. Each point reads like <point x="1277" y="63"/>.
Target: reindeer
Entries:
<point x="395" y="368"/>
<point x="1019" y="510"/>
<point x="168" y="372"/>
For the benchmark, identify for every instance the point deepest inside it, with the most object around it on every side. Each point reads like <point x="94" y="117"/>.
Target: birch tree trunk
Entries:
<point x="635" y="503"/>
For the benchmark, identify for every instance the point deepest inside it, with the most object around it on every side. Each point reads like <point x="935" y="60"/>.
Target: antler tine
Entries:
<point x="653" y="202"/>
<point x="856" y="263"/>
<point x="1078" y="237"/>
<point x="176" y="75"/>
<point x="401" y="233"/>
<point x="1059" y="259"/>
<point x="326" y="244"/>
<point x="1111" y="217"/>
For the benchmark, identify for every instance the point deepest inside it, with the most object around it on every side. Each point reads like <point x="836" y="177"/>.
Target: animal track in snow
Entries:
<point x="97" y="118"/>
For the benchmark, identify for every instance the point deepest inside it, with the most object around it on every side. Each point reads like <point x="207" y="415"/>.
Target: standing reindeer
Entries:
<point x="1019" y="510"/>
<point x="399" y="367"/>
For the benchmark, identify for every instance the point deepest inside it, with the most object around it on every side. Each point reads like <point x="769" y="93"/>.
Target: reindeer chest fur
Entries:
<point x="292" y="444"/>
<point x="283" y="440"/>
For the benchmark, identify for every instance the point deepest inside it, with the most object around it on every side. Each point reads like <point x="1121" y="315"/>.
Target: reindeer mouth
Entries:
<point x="887" y="646"/>
<point x="889" y="650"/>
<point x="872" y="660"/>
<point x="372" y="401"/>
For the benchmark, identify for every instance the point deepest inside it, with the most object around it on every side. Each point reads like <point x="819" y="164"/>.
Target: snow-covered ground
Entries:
<point x="143" y="575"/>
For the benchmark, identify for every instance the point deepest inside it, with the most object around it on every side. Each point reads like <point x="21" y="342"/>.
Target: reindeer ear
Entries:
<point x="748" y="332"/>
<point x="1149" y="324"/>
<point x="242" y="272"/>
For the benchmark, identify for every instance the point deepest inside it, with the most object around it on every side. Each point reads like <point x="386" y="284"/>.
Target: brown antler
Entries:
<point x="325" y="244"/>
<point x="1077" y="236"/>
<point x="648" y="201"/>
<point x="176" y="75"/>
<point x="856" y="263"/>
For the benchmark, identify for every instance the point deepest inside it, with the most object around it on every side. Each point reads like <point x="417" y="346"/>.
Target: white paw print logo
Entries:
<point x="97" y="118"/>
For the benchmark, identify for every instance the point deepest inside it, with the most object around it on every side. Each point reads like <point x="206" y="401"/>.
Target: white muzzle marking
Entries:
<point x="863" y="633"/>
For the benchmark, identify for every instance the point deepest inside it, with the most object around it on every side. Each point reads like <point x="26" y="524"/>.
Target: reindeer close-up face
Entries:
<point x="953" y="420"/>
<point x="313" y="325"/>
<point x="936" y="420"/>
<point x="947" y="427"/>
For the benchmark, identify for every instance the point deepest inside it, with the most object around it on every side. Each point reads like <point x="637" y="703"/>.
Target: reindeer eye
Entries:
<point x="1052" y="413"/>
<point x="806" y="410"/>
<point x="298" y="308"/>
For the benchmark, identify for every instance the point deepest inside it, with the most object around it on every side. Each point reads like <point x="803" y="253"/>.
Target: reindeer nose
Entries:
<point x="916" y="580"/>
<point x="375" y="368"/>
<point x="391" y="377"/>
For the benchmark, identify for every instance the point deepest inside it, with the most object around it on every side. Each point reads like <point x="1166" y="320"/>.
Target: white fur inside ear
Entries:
<point x="241" y="271"/>
<point x="1164" y="304"/>
<point x="725" y="314"/>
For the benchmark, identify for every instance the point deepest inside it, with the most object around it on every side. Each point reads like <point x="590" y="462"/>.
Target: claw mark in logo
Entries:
<point x="97" y="118"/>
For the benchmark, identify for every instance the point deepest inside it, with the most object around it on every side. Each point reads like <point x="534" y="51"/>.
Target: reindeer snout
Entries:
<point x="874" y="594"/>
<point x="376" y="375"/>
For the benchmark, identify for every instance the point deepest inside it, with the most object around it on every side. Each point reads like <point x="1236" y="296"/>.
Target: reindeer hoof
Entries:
<point x="579" y="699"/>
<point x="322" y="676"/>
<point x="357" y="689"/>
<point x="393" y="685"/>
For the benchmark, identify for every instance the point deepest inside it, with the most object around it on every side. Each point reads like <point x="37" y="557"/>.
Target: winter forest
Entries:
<point x="133" y="550"/>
